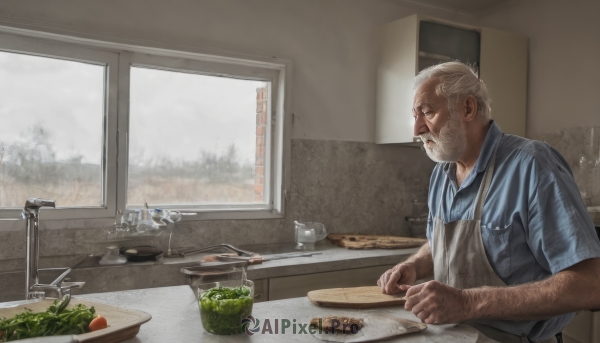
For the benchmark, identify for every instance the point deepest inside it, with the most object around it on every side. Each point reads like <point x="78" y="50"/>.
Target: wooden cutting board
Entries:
<point x="377" y="328"/>
<point x="357" y="241"/>
<point x="355" y="297"/>
<point x="122" y="323"/>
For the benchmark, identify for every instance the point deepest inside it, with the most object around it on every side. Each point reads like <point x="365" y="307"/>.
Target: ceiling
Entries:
<point x="466" y="6"/>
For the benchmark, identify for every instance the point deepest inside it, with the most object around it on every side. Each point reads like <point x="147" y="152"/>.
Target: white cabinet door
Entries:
<point x="398" y="52"/>
<point x="504" y="71"/>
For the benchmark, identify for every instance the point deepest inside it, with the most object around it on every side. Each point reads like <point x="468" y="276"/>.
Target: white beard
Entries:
<point x="449" y="145"/>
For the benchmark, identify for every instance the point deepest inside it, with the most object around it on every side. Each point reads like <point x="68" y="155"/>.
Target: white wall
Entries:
<point x="329" y="42"/>
<point x="564" y="60"/>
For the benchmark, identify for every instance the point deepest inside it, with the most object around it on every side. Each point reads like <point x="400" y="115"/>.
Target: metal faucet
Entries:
<point x="33" y="289"/>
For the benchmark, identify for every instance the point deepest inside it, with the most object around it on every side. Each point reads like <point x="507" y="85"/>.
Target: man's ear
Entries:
<point x="469" y="108"/>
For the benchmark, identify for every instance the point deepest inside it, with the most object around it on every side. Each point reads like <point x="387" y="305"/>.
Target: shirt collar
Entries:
<point x="487" y="150"/>
<point x="489" y="145"/>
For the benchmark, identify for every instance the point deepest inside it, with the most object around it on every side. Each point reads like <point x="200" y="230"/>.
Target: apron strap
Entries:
<point x="485" y="185"/>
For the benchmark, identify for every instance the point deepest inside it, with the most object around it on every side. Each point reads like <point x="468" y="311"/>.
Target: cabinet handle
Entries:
<point x="256" y="296"/>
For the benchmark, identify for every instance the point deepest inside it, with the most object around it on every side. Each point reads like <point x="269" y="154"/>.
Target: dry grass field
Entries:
<point x="30" y="171"/>
<point x="153" y="191"/>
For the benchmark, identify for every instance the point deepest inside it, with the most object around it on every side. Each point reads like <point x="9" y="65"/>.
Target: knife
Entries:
<point x="282" y="256"/>
<point x="261" y="259"/>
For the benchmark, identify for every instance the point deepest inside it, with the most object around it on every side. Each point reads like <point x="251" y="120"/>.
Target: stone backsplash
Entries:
<point x="580" y="146"/>
<point x="350" y="187"/>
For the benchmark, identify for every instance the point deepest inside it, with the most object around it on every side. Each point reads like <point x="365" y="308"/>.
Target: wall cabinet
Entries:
<point x="408" y="45"/>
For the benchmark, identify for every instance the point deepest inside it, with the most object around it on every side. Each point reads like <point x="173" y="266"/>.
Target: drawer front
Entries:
<point x="298" y="285"/>
<point x="261" y="290"/>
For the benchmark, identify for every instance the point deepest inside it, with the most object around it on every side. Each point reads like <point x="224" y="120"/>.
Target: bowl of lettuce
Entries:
<point x="223" y="305"/>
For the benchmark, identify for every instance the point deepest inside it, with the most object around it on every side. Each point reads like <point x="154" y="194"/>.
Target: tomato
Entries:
<point x="98" y="323"/>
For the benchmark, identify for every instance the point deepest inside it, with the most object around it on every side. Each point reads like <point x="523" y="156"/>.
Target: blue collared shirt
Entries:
<point x="534" y="223"/>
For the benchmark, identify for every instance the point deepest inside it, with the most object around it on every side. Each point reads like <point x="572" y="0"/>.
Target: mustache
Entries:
<point x="428" y="137"/>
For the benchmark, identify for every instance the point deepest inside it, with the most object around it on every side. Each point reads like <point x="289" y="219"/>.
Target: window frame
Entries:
<point x="209" y="66"/>
<point x="69" y="52"/>
<point x="211" y="62"/>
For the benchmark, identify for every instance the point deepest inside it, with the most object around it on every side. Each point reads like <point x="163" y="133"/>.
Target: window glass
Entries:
<point x="196" y="139"/>
<point x="52" y="114"/>
<point x="439" y="43"/>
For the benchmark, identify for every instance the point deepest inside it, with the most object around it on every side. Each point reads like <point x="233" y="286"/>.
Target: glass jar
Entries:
<point x="224" y="305"/>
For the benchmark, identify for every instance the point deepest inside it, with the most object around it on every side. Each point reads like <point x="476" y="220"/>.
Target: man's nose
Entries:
<point x="420" y="126"/>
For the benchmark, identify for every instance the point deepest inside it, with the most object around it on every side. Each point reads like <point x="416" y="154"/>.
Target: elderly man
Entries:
<point x="510" y="245"/>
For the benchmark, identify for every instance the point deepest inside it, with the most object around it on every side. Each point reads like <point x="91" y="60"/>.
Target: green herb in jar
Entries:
<point x="222" y="309"/>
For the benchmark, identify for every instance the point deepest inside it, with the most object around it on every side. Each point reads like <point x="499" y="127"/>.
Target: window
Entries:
<point x="195" y="139"/>
<point x="103" y="128"/>
<point x="49" y="97"/>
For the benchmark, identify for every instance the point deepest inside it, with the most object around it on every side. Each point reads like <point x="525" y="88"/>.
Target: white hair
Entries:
<point x="457" y="82"/>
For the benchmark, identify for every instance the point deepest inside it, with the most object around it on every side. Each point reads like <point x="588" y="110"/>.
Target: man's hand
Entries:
<point x="436" y="303"/>
<point x="398" y="279"/>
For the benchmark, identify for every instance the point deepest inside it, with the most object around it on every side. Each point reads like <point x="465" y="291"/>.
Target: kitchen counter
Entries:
<point x="166" y="272"/>
<point x="176" y="318"/>
<point x="331" y="258"/>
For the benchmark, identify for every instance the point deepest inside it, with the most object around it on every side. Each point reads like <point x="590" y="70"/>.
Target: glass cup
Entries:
<point x="225" y="316"/>
<point x="306" y="234"/>
<point x="112" y="256"/>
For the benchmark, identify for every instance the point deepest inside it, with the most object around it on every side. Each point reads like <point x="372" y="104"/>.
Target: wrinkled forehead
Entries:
<point x="427" y="93"/>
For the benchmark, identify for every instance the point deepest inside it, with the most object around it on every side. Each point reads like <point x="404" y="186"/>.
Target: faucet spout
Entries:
<point x="34" y="204"/>
<point x="31" y="212"/>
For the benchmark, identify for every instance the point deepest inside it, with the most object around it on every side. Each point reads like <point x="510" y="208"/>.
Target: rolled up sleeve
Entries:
<point x="560" y="231"/>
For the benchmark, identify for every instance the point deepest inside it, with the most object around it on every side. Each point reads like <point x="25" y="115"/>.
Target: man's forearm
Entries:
<point x="573" y="289"/>
<point x="423" y="261"/>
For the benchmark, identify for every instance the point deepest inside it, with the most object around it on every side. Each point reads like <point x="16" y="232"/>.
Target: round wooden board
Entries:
<point x="355" y="297"/>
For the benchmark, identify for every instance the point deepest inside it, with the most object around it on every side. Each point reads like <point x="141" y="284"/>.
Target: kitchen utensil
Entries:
<point x="122" y="323"/>
<point x="377" y="328"/>
<point x="257" y="259"/>
<point x="355" y="297"/>
<point x="190" y="251"/>
<point x="142" y="253"/>
<point x="357" y="241"/>
<point x="283" y="256"/>
<point x="260" y="259"/>
<point x="224" y="317"/>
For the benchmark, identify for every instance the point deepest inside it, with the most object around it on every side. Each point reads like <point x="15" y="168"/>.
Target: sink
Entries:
<point x="275" y="249"/>
<point x="87" y="261"/>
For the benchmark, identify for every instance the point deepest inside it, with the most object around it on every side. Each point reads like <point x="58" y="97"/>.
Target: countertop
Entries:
<point x="331" y="258"/>
<point x="166" y="272"/>
<point x="176" y="318"/>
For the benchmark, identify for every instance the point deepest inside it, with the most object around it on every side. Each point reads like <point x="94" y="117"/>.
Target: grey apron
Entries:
<point x="459" y="258"/>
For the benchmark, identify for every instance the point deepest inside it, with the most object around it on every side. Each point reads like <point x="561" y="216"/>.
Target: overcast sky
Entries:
<point x="184" y="114"/>
<point x="171" y="113"/>
<point x="65" y="98"/>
